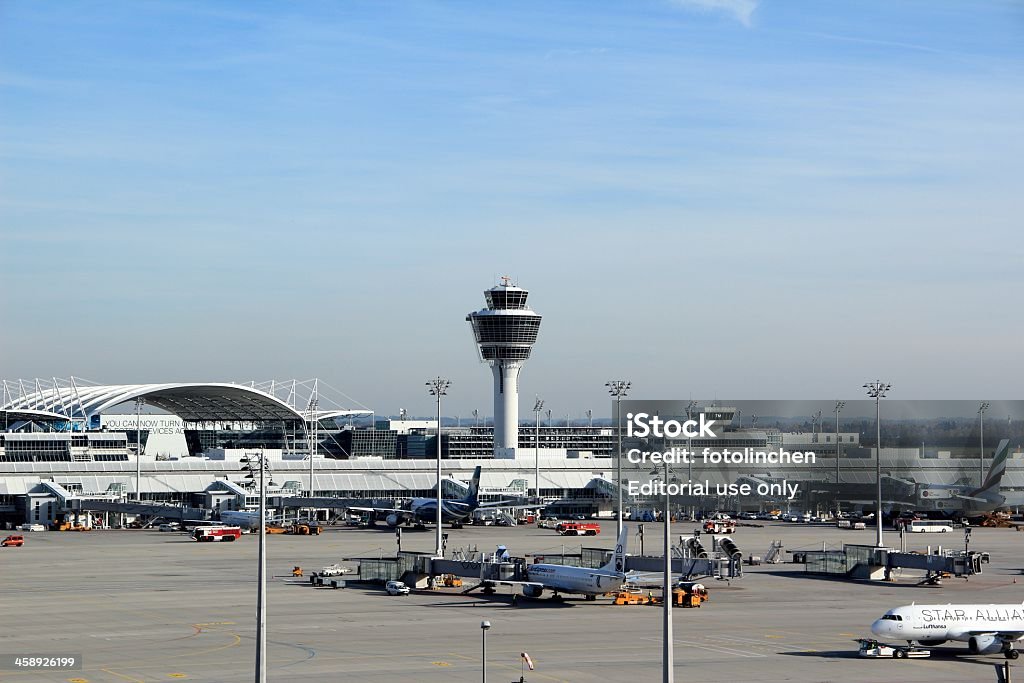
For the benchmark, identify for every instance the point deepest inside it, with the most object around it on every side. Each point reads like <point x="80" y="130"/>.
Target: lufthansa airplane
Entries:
<point x="987" y="629"/>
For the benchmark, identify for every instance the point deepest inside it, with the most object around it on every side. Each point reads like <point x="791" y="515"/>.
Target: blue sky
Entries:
<point x="708" y="197"/>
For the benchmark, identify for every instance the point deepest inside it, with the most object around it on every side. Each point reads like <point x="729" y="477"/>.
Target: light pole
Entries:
<point x="689" y="457"/>
<point x="618" y="388"/>
<point x="314" y="441"/>
<point x="876" y="390"/>
<point x="666" y="646"/>
<point x="538" y="405"/>
<point x="590" y="418"/>
<point x="252" y="462"/>
<point x="438" y="388"/>
<point x="138" y="449"/>
<point x="839" y="446"/>
<point x="985" y="405"/>
<point x="484" y="626"/>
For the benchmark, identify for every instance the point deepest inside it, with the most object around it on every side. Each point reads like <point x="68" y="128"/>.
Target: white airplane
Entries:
<point x="959" y="499"/>
<point x="987" y="629"/>
<point x="559" y="578"/>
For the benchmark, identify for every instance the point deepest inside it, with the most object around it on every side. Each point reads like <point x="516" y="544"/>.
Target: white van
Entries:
<point x="396" y="588"/>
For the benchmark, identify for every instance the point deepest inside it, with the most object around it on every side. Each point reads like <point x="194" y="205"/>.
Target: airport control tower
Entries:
<point x="505" y="332"/>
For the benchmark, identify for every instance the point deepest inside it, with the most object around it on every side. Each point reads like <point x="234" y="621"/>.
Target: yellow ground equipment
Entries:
<point x="630" y="597"/>
<point x="450" y="581"/>
<point x="304" y="529"/>
<point x="297" y="571"/>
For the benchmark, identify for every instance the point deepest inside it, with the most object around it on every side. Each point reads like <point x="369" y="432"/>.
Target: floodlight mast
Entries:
<point x="538" y="405"/>
<point x="839" y="449"/>
<point x="438" y="388"/>
<point x="877" y="391"/>
<point x="618" y="388"/>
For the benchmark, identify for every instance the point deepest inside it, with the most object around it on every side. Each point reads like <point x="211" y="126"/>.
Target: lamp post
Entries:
<point x="689" y="458"/>
<point x="138" y="449"/>
<point x="877" y="390"/>
<point x="252" y="462"/>
<point x="438" y="388"/>
<point x="985" y="405"/>
<point x="314" y="441"/>
<point x="618" y="389"/>
<point x="538" y="405"/>
<point x="484" y="626"/>
<point x="666" y="646"/>
<point x="839" y="446"/>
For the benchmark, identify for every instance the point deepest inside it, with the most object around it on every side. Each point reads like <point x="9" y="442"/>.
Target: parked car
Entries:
<point x="32" y="527"/>
<point x="396" y="588"/>
<point x="170" y="526"/>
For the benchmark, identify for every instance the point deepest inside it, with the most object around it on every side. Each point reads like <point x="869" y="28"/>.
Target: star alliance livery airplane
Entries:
<point x="987" y="629"/>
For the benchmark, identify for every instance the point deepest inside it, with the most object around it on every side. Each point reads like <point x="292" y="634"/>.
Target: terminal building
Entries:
<point x="181" y="443"/>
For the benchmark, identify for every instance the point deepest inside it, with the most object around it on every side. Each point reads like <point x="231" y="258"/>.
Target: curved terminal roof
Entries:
<point x="192" y="402"/>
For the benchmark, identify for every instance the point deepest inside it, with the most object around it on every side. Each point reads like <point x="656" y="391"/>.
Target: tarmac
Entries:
<point x="144" y="606"/>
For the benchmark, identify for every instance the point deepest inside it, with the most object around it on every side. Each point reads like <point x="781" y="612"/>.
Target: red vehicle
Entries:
<point x="720" y="526"/>
<point x="13" y="542"/>
<point x="217" y="533"/>
<point x="578" y="528"/>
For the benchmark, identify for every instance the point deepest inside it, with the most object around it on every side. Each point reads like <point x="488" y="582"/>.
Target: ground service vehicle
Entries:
<point x="217" y="533"/>
<point x="578" y="528"/>
<point x="396" y="588"/>
<point x="872" y="648"/>
<point x="720" y="526"/>
<point x="13" y="541"/>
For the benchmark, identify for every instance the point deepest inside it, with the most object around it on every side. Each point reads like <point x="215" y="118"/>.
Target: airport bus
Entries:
<point x="922" y="526"/>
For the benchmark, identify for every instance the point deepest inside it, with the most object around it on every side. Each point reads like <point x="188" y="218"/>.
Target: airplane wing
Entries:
<point x="405" y="515"/>
<point x="964" y="497"/>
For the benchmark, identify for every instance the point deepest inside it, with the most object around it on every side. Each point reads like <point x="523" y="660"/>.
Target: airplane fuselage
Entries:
<point x="562" y="579"/>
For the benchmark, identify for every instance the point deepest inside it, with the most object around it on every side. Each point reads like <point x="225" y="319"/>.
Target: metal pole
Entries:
<point x="667" y="656"/>
<point x="981" y="455"/>
<point x="261" y="602"/>
<point x="618" y="389"/>
<point x="839" y="450"/>
<point x="877" y="390"/>
<point x="618" y="467"/>
<point x="484" y="625"/>
<point x="878" y="471"/>
<point x="438" y="388"/>
<point x="537" y="406"/>
<point x="438" y="550"/>
<point x="138" y="450"/>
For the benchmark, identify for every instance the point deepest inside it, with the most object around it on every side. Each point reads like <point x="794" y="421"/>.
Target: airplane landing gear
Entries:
<point x="1011" y="653"/>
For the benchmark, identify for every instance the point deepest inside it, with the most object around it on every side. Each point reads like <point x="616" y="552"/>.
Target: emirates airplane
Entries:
<point x="987" y="629"/>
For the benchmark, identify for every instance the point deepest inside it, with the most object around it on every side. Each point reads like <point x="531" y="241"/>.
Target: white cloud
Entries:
<point x="741" y="10"/>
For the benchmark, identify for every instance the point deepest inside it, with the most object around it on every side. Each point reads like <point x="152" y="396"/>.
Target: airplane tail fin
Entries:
<point x="472" y="497"/>
<point x="998" y="467"/>
<point x="618" y="562"/>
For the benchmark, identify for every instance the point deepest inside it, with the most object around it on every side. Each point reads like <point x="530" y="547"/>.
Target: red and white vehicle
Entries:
<point x="720" y="526"/>
<point x="578" y="528"/>
<point x="217" y="533"/>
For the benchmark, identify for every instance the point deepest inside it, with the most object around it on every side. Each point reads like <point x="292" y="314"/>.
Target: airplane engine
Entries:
<point x="532" y="591"/>
<point x="985" y="645"/>
<point x="392" y="520"/>
<point x="931" y="643"/>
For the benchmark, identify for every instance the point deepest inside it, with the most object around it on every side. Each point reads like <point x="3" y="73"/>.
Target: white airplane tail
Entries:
<point x="618" y="562"/>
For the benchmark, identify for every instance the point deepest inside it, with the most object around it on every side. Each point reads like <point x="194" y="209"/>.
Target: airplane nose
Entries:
<point x="880" y="627"/>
